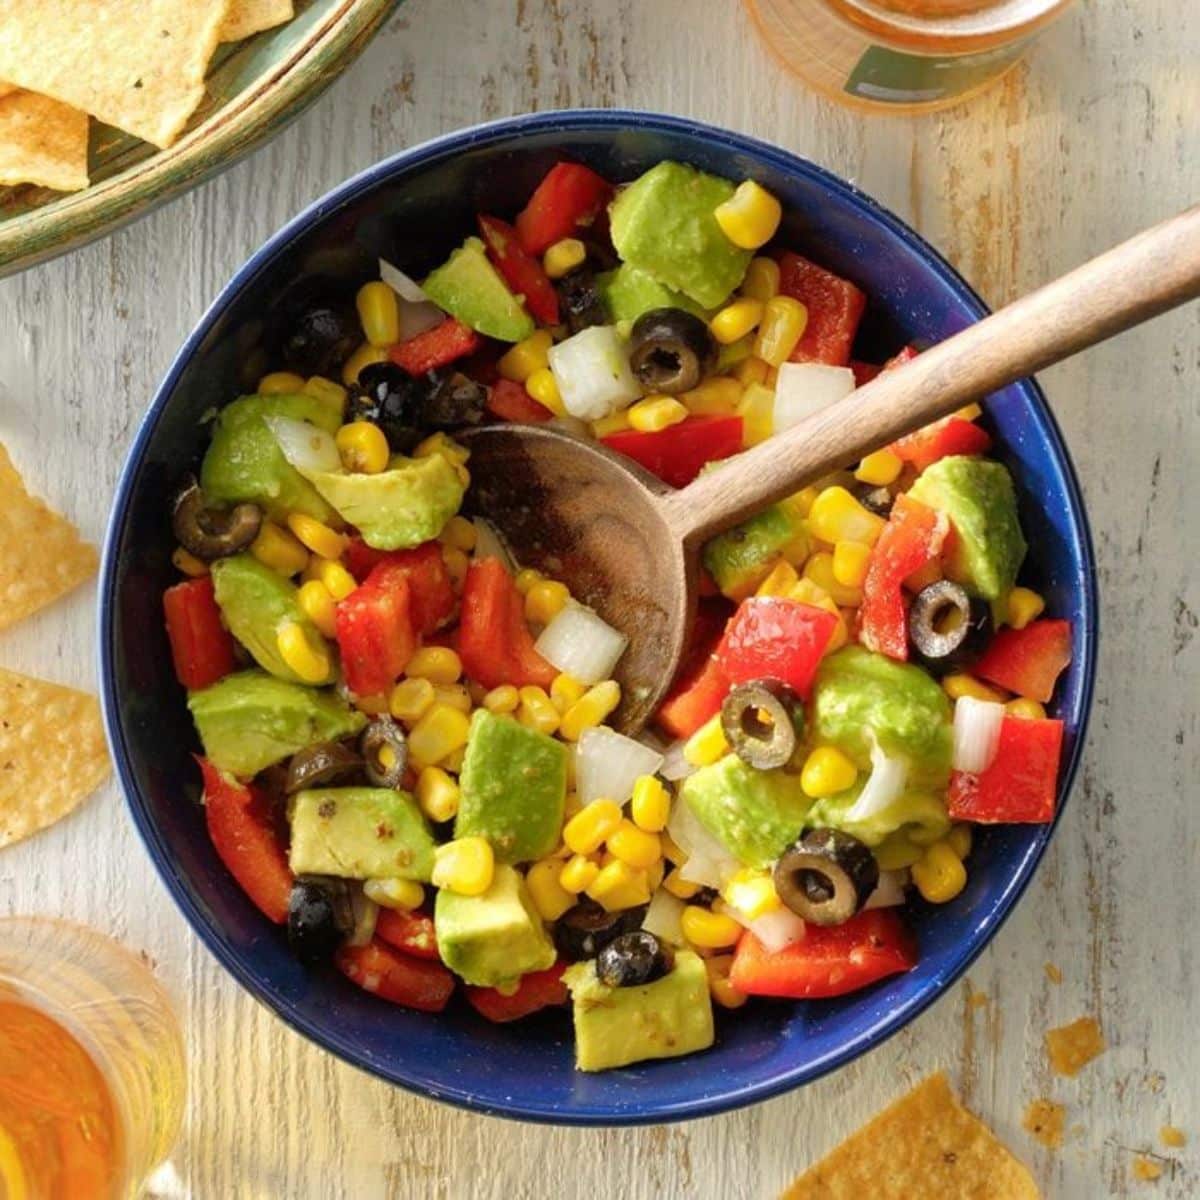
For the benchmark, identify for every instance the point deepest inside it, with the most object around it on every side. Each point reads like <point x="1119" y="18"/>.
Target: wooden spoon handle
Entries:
<point x="1152" y="272"/>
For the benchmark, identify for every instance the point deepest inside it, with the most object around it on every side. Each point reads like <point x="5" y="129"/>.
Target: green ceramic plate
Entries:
<point x="254" y="88"/>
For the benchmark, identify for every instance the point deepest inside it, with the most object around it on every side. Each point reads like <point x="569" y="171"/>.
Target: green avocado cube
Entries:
<point x="491" y="940"/>
<point x="628" y="292"/>
<point x="617" y="1026"/>
<point x="468" y="287"/>
<point x="250" y="720"/>
<point x="359" y="833"/>
<point x="922" y="813"/>
<point x="742" y="557"/>
<point x="514" y="786"/>
<point x="663" y="224"/>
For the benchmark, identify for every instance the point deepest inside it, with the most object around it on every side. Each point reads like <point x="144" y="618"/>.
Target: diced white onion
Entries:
<point x="489" y="545"/>
<point x="582" y="644"/>
<point x="708" y="862"/>
<point x="976" y="733"/>
<point x="889" y="891"/>
<point x="608" y="764"/>
<point x="663" y="917"/>
<point x="592" y="372"/>
<point x="884" y="786"/>
<point x="419" y="317"/>
<point x="675" y="767"/>
<point x="404" y="286"/>
<point x="305" y="446"/>
<point x="774" y="929"/>
<point x="805" y="388"/>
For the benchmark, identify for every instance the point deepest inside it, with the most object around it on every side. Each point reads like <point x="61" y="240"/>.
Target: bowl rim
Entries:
<point x="425" y="153"/>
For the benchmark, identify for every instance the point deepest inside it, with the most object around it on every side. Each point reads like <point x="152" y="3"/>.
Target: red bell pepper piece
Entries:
<point x="1028" y="661"/>
<point x="359" y="559"/>
<point x="385" y="972"/>
<point x="829" y="960"/>
<point x="951" y="435"/>
<point x="375" y="633"/>
<point x="436" y="347"/>
<point x="511" y="402"/>
<point x="677" y="453"/>
<point x="1021" y="785"/>
<point x="201" y="646"/>
<point x="695" y="698"/>
<point x="835" y="307"/>
<point x="493" y="640"/>
<point x="864" y="372"/>
<point x="773" y="638"/>
<point x="538" y="990"/>
<point x="568" y="197"/>
<point x="913" y="536"/>
<point x="430" y="592"/>
<point x="521" y="271"/>
<point x="412" y="932"/>
<point x="241" y="825"/>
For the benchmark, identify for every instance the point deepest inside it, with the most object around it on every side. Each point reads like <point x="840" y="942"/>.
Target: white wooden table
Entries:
<point x="1095" y="137"/>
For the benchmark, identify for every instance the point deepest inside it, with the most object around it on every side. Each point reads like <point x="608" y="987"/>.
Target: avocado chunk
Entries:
<point x="628" y="292"/>
<point x="359" y="833"/>
<point x="405" y="505"/>
<point x="250" y="720"/>
<point x="742" y="557"/>
<point x="917" y="811"/>
<point x="663" y="224"/>
<point x="616" y="1026"/>
<point x="493" y="939"/>
<point x="514" y="786"/>
<point x="468" y="287"/>
<point x="244" y="461"/>
<point x="255" y="601"/>
<point x="860" y="695"/>
<point x="754" y="814"/>
<point x="977" y="496"/>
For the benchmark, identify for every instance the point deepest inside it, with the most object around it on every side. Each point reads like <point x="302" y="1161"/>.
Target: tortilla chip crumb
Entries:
<point x="1154" y="1081"/>
<point x="1053" y="973"/>
<point x="1044" y="1119"/>
<point x="1071" y="1047"/>
<point x="977" y="1000"/>
<point x="1146" y="1169"/>
<point x="1172" y="1136"/>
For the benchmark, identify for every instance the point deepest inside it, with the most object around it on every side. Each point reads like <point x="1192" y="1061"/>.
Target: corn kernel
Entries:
<point x="310" y="663"/>
<point x="729" y="356"/>
<point x="183" y="560"/>
<point x="280" y="383"/>
<point x="680" y="888"/>
<point x="466" y="865"/>
<point x="826" y="772"/>
<point x="333" y="575"/>
<point x="619" y="886"/>
<point x="563" y="257"/>
<point x="969" y="412"/>
<point x="545" y="600"/>
<point x="316" y="535"/>
<point x="779" y="581"/>
<point x="453" y="695"/>
<point x="363" y="447"/>
<point x="364" y="356"/>
<point x="959" y="840"/>
<point x="276" y="548"/>
<point x="537" y="711"/>
<point x="578" y="874"/>
<point x="543" y="388"/>
<point x="1026" y="710"/>
<point x="502" y="699"/>
<point x="736" y="320"/>
<point x="549" y="896"/>
<point x="1023" y="605"/>
<point x="801" y="502"/>
<point x="410" y="700"/>
<point x="453" y="762"/>
<point x="635" y="846"/>
<point x="402" y="894"/>
<point x="782" y="326"/>
<point x="527" y="356"/>
<point x="440" y="732"/>
<point x="616" y="422"/>
<point x="757" y="410"/>
<point x="438" y="664"/>
<point x="880" y="468"/>
<point x="958" y="686"/>
<point x="710" y="930"/>
<point x="331" y="395"/>
<point x="707" y="745"/>
<point x="656" y="413"/>
<point x="437" y="794"/>
<point x="318" y="605"/>
<point x="723" y="992"/>
<point x="836" y="516"/>
<point x="590" y="709"/>
<point x="457" y="565"/>
<point x="378" y="313"/>
<point x="671" y="852"/>
<point x="460" y="533"/>
<point x="650" y="806"/>
<point x="751" y="370"/>
<point x="850" y="562"/>
<point x="526" y="578"/>
<point x="761" y="280"/>
<point x="565" y="690"/>
<point x="819" y="569"/>
<point x="939" y="874"/>
<point x="716" y="397"/>
<point x="453" y="452"/>
<point x="750" y="217"/>
<point x="586" y="832"/>
<point x="751" y="892"/>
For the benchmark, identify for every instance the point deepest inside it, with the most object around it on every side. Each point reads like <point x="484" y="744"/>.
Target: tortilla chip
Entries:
<point x="136" y="64"/>
<point x="6" y="89"/>
<point x="925" y="1144"/>
<point x="1045" y="1119"/>
<point x="253" y="16"/>
<point x="1071" y="1047"/>
<point x="52" y="753"/>
<point x="42" y="141"/>
<point x="42" y="555"/>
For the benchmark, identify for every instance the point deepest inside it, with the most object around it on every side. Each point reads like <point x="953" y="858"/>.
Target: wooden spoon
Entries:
<point x="628" y="545"/>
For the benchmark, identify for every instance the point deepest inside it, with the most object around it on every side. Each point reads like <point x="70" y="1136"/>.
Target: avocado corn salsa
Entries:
<point x="406" y="760"/>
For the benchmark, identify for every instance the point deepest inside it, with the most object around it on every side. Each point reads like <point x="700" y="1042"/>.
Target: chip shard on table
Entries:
<point x="1045" y="1119"/>
<point x="1071" y="1047"/>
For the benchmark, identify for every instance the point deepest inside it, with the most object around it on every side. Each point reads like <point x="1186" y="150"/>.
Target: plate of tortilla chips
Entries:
<point x="109" y="107"/>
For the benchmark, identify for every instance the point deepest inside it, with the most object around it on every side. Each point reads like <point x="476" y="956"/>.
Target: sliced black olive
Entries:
<point x="321" y="339"/>
<point x="633" y="958"/>
<point x="877" y="500"/>
<point x="580" y="301"/>
<point x="826" y="877"/>
<point x="211" y="533"/>
<point x="670" y="350"/>
<point x="947" y="628"/>
<point x="320" y="765"/>
<point x="453" y="401"/>
<point x="384" y="749"/>
<point x="762" y="721"/>
<point x="584" y="930"/>
<point x="320" y="915"/>
<point x="391" y="398"/>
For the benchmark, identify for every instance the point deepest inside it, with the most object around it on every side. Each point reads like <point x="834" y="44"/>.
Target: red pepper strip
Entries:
<point x="412" y="932"/>
<point x="677" y="454"/>
<point x="828" y="961"/>
<point x="1021" y="785"/>
<point x="375" y="632"/>
<point x="951" y="435"/>
<point x="1028" y="661"/>
<point x="430" y="592"/>
<point x="359" y="559"/>
<point x="773" y="638"/>
<point x="835" y="307"/>
<point x="412" y="982"/>
<point x="913" y="536"/>
<point x="569" y="196"/>
<point x="242" y="828"/>
<point x="494" y="642"/>
<point x="436" y="347"/>
<point x="511" y="402"/>
<point x="522" y="272"/>
<point x="201" y="647"/>
<point x="695" y="698"/>
<point x="538" y="990"/>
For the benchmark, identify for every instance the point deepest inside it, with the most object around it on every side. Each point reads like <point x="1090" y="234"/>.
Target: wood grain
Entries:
<point x="1093" y="139"/>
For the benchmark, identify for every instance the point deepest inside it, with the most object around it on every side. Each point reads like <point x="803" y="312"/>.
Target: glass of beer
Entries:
<point x="92" y="1075"/>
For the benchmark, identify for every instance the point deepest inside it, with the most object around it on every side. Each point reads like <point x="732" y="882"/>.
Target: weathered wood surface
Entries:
<point x="1095" y="137"/>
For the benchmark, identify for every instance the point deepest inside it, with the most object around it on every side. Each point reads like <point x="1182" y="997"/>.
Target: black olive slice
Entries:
<point x="453" y="401"/>
<point x="580" y="300"/>
<point x="877" y="500"/>
<point x="948" y="628"/>
<point x="762" y="721"/>
<point x="585" y="929"/>
<point x="319" y="765"/>
<point x="633" y="958"/>
<point x="321" y="339"/>
<point x="210" y="533"/>
<point x="670" y="351"/>
<point x="320" y="915"/>
<point x="826" y="877"/>
<point x="384" y="750"/>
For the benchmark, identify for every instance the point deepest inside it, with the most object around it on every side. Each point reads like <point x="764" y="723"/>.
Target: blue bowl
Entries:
<point x="411" y="209"/>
